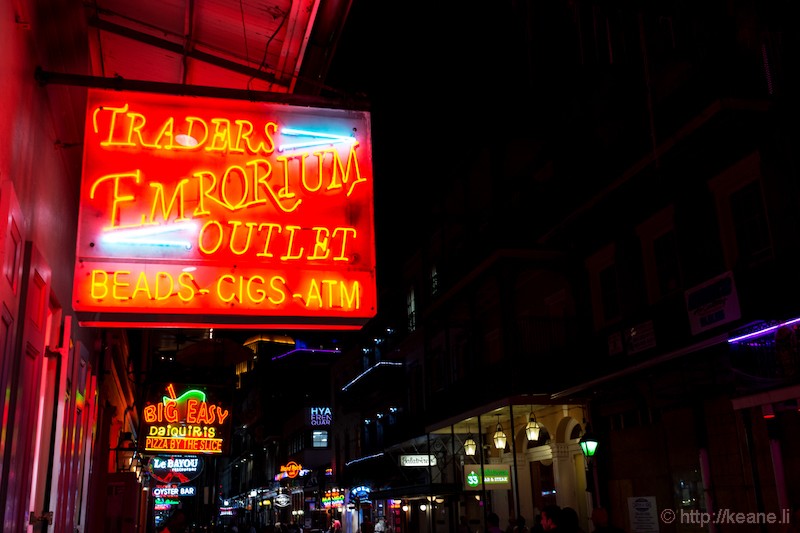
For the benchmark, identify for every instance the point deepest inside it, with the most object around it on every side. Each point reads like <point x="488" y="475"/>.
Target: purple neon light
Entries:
<point x="764" y="331"/>
<point x="312" y="350"/>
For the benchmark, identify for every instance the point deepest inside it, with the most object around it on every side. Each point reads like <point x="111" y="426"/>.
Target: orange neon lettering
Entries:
<point x="220" y="139"/>
<point x="137" y="123"/>
<point x="340" y="173"/>
<point x="269" y="146"/>
<point x="344" y="232"/>
<point x="284" y="191"/>
<point x="142" y="286"/>
<point x="243" y="133"/>
<point x="191" y="121"/>
<point x="236" y="224"/>
<point x="279" y="284"/>
<point x="160" y="278"/>
<point x="313" y="294"/>
<point x="328" y="289"/>
<point x="352" y="299"/>
<point x="117" y="197"/>
<point x="270" y="227"/>
<point x="297" y="255"/>
<point x="224" y="187"/>
<point x="119" y="284"/>
<point x="321" y="250"/>
<point x="99" y="284"/>
<point x="225" y="278"/>
<point x="261" y="180"/>
<point x="260" y="294"/>
<point x="192" y="407"/>
<point x="171" y="412"/>
<point x="202" y="237"/>
<point x="303" y="179"/>
<point x="186" y="281"/>
<point x="112" y="123"/>
<point x="166" y="131"/>
<point x="159" y="199"/>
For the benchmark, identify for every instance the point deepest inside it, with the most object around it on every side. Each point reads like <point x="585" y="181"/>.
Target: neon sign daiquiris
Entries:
<point x="185" y="423"/>
<point x="224" y="212"/>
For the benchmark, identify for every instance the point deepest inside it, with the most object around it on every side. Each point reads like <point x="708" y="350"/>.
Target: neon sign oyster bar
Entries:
<point x="209" y="212"/>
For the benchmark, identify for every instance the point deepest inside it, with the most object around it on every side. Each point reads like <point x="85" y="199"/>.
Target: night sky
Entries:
<point x="437" y="79"/>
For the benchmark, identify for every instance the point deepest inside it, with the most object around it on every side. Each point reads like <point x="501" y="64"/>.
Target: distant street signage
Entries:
<point x="283" y="500"/>
<point x="174" y="468"/>
<point x="712" y="303"/>
<point x="320" y="416"/>
<point x="332" y="498"/>
<point x="174" y="491"/>
<point x="198" y="211"/>
<point x="186" y="420"/>
<point x="643" y="514"/>
<point x="291" y="469"/>
<point x="493" y="477"/>
<point x="417" y="460"/>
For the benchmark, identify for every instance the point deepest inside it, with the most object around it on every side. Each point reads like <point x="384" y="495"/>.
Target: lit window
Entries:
<point x="411" y="309"/>
<point x="319" y="439"/>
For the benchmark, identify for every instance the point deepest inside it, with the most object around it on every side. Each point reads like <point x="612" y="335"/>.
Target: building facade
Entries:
<point x="623" y="264"/>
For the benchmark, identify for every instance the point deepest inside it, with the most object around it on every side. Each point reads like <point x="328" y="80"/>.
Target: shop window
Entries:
<point x="434" y="281"/>
<point x="604" y="287"/>
<point x="660" y="255"/>
<point x="319" y="439"/>
<point x="742" y="213"/>
<point x="750" y="223"/>
<point x="411" y="310"/>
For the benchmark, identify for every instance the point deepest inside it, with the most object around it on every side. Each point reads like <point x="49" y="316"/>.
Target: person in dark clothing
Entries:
<point x="570" y="523"/>
<point x="601" y="523"/>
<point x="537" y="524"/>
<point x="551" y="517"/>
<point x="493" y="523"/>
<point x="176" y="523"/>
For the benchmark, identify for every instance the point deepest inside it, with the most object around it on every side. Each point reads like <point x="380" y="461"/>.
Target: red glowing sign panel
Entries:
<point x="186" y="420"/>
<point x="210" y="212"/>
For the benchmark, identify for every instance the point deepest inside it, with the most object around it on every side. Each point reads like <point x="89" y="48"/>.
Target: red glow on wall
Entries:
<point x="223" y="213"/>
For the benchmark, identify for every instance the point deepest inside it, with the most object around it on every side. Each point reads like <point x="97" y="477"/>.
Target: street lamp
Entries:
<point x="469" y="445"/>
<point x="499" y="436"/>
<point x="125" y="452"/>
<point x="532" y="428"/>
<point x="588" y="444"/>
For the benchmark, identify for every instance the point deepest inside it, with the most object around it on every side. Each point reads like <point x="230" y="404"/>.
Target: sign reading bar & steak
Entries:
<point x="205" y="211"/>
<point x="491" y="476"/>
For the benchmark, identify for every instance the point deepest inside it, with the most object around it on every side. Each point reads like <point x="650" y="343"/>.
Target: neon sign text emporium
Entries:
<point x="227" y="213"/>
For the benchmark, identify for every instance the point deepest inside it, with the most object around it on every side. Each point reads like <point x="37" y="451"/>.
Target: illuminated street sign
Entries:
<point x="185" y="420"/>
<point x="210" y="212"/>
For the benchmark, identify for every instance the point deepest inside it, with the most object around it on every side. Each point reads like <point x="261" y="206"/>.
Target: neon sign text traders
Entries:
<point x="196" y="208"/>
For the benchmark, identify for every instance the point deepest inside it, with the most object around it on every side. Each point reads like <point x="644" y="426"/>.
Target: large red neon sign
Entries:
<point x="208" y="212"/>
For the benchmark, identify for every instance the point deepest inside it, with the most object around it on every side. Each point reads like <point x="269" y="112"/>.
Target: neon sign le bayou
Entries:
<point x="185" y="424"/>
<point x="224" y="212"/>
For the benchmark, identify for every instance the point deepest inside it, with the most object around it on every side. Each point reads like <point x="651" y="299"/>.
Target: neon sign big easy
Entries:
<point x="218" y="212"/>
<point x="185" y="424"/>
